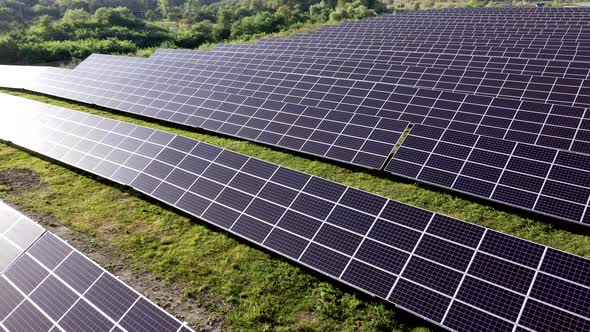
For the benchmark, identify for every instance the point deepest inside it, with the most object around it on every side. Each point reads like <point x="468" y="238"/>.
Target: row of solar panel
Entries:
<point x="570" y="92"/>
<point x="516" y="40"/>
<point x="548" y="20"/>
<point x="537" y="123"/>
<point x="487" y="23"/>
<point x="537" y="29"/>
<point x="528" y="32"/>
<point x="540" y="30"/>
<point x="343" y="136"/>
<point x="526" y="46"/>
<point x="523" y="39"/>
<point x="378" y="47"/>
<point x="494" y="10"/>
<point x="503" y="42"/>
<point x="556" y="59"/>
<point x="571" y="36"/>
<point x="47" y="285"/>
<point x="487" y="64"/>
<point x="561" y="23"/>
<point x="466" y="17"/>
<point x="462" y="14"/>
<point x="499" y="44"/>
<point x="413" y="27"/>
<point x="519" y="37"/>
<point x="415" y="23"/>
<point x="570" y="210"/>
<point x="551" y="55"/>
<point x="502" y="47"/>
<point x="517" y="52"/>
<point x="491" y="64"/>
<point x="501" y="12"/>
<point x="577" y="21"/>
<point x="458" y="275"/>
<point x="546" y="33"/>
<point x="548" y="181"/>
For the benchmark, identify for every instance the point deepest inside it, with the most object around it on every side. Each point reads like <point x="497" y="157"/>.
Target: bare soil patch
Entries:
<point x="20" y="179"/>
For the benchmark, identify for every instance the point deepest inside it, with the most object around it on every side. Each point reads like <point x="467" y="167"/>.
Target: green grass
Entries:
<point x="252" y="289"/>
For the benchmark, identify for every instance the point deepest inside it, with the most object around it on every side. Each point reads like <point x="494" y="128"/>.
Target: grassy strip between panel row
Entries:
<point x="253" y="290"/>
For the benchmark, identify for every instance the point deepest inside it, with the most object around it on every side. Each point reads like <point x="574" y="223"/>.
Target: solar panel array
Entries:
<point x="47" y="285"/>
<point x="455" y="274"/>
<point x="538" y="123"/>
<point x="527" y="122"/>
<point x="516" y="77"/>
<point x="496" y="100"/>
<point x="545" y="180"/>
<point x="570" y="91"/>
<point x="358" y="139"/>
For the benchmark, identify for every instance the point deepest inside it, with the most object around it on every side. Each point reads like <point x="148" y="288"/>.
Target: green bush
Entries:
<point x="68" y="49"/>
<point x="261" y="23"/>
<point x="8" y="49"/>
<point x="198" y="34"/>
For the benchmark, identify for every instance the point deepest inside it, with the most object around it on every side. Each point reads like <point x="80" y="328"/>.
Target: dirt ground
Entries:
<point x="19" y="180"/>
<point x="169" y="296"/>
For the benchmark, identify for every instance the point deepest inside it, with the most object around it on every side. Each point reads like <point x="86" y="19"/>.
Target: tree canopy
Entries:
<point x="37" y="31"/>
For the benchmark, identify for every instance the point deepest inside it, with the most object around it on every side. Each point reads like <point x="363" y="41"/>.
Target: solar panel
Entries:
<point x="563" y="21"/>
<point x="553" y="68"/>
<point x="22" y="77"/>
<point x="461" y="44"/>
<point x="544" y="180"/>
<point x="537" y="123"/>
<point x="455" y="274"/>
<point x="359" y="139"/>
<point x="435" y="61"/>
<point x="504" y="65"/>
<point x="47" y="285"/>
<point x="571" y="29"/>
<point x="17" y="233"/>
<point x="570" y="92"/>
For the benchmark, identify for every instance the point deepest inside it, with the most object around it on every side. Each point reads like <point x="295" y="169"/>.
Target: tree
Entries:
<point x="8" y="49"/>
<point x="7" y="20"/>
<point x="197" y="35"/>
<point x="119" y="16"/>
<point x="263" y="22"/>
<point x="165" y="6"/>
<point x="73" y="15"/>
<point x="348" y="11"/>
<point x="222" y="29"/>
